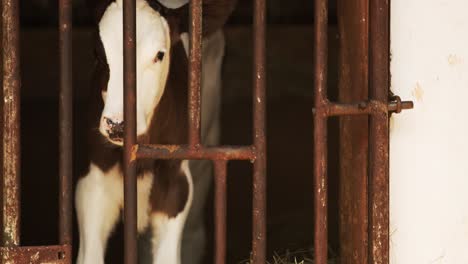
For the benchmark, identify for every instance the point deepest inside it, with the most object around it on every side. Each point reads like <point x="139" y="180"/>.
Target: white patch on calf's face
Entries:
<point x="153" y="38"/>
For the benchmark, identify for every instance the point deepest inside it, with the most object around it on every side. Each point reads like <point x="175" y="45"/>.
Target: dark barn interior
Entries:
<point x="289" y="119"/>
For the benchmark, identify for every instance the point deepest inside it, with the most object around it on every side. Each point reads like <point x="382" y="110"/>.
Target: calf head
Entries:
<point x="153" y="41"/>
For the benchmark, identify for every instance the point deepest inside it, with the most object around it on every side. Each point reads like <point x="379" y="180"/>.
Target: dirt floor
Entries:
<point x="290" y="196"/>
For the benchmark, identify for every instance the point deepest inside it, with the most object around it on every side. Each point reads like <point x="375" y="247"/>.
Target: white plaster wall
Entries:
<point x="429" y="145"/>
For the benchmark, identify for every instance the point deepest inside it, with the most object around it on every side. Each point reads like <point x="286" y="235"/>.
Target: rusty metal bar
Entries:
<point x="259" y="234"/>
<point x="320" y="132"/>
<point x="11" y="124"/>
<point x="185" y="152"/>
<point x="353" y="19"/>
<point x="195" y="66"/>
<point x="129" y="79"/>
<point x="60" y="254"/>
<point x="368" y="107"/>
<point x="220" y="168"/>
<point x="378" y="133"/>
<point x="65" y="122"/>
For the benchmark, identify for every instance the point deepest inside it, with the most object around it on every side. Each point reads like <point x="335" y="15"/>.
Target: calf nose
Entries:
<point x="115" y="129"/>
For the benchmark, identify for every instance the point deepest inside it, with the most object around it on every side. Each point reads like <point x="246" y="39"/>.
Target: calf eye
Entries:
<point x="159" y="56"/>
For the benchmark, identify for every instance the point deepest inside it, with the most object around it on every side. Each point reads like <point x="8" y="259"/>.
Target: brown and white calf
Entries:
<point x="166" y="189"/>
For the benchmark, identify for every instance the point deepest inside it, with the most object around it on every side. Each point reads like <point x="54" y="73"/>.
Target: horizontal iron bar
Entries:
<point x="185" y="152"/>
<point x="362" y="108"/>
<point x="59" y="254"/>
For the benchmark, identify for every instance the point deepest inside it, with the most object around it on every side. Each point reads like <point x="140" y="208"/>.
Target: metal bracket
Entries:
<point x="395" y="105"/>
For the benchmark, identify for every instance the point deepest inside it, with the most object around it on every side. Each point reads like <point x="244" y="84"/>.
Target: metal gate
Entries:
<point x="194" y="149"/>
<point x="377" y="107"/>
<point x="11" y="251"/>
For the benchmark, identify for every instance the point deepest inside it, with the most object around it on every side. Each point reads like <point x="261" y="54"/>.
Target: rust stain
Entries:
<point x="453" y="60"/>
<point x="171" y="148"/>
<point x="35" y="257"/>
<point x="133" y="154"/>
<point x="418" y="92"/>
<point x="11" y="124"/>
<point x="57" y="254"/>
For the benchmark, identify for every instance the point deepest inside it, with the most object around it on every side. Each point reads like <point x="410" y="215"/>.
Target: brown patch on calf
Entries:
<point x="170" y="190"/>
<point x="169" y="123"/>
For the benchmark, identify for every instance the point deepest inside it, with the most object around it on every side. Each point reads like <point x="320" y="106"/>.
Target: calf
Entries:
<point x="165" y="188"/>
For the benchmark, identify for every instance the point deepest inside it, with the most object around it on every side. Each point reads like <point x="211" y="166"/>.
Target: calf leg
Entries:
<point x="167" y="234"/>
<point x="167" y="231"/>
<point x="98" y="202"/>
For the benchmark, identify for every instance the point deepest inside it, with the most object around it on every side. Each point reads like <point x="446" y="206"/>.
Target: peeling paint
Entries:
<point x="35" y="257"/>
<point x="171" y="148"/>
<point x="57" y="254"/>
<point x="133" y="155"/>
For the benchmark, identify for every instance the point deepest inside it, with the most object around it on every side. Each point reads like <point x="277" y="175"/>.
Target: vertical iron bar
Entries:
<point x="65" y="121"/>
<point x="353" y="24"/>
<point x="195" y="65"/>
<point x="259" y="138"/>
<point x="11" y="124"/>
<point x="378" y="133"/>
<point x="129" y="79"/>
<point x="320" y="132"/>
<point x="220" y="211"/>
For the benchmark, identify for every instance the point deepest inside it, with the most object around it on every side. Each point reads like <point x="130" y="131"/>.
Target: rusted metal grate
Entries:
<point x="194" y="150"/>
<point x="378" y="108"/>
<point x="11" y="251"/>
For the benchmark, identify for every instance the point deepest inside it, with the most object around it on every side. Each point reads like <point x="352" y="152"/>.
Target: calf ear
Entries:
<point x="98" y="7"/>
<point x="215" y="15"/>
<point x="177" y="19"/>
